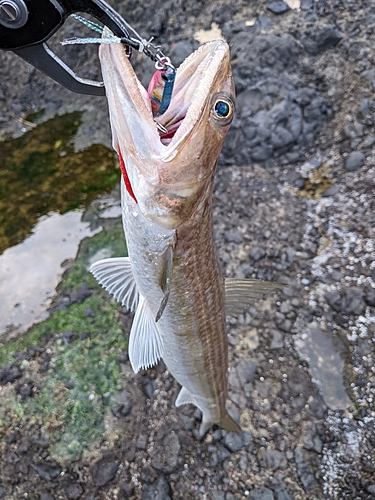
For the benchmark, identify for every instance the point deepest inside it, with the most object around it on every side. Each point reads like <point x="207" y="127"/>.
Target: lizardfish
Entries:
<point x="172" y="278"/>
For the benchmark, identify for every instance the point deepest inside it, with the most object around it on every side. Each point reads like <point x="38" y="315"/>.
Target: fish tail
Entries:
<point x="227" y="423"/>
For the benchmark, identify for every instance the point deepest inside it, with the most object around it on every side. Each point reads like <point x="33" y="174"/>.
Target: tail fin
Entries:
<point x="227" y="423"/>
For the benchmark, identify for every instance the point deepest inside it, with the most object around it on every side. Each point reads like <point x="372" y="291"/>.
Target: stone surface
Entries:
<point x="159" y="490"/>
<point x="165" y="455"/>
<point x="306" y="477"/>
<point x="354" y="161"/>
<point x="47" y="470"/>
<point x="9" y="373"/>
<point x="278" y="7"/>
<point x="104" y="470"/>
<point x="73" y="491"/>
<point x="261" y="494"/>
<point x="353" y="301"/>
<point x="233" y="441"/>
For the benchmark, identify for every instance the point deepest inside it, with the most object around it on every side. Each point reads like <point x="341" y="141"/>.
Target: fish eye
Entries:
<point x="222" y="108"/>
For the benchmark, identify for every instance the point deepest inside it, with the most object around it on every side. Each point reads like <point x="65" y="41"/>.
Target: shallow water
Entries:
<point x="44" y="187"/>
<point x="30" y="271"/>
<point x="40" y="172"/>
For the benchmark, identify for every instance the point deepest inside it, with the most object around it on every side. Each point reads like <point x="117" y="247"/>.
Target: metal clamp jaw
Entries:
<point x="25" y="26"/>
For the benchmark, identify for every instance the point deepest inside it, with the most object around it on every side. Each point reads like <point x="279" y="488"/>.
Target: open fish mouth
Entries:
<point x="165" y="134"/>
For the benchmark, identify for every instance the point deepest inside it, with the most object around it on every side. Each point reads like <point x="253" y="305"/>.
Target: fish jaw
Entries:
<point x="169" y="178"/>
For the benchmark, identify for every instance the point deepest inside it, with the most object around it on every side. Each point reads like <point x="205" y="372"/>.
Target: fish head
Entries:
<point x="170" y="160"/>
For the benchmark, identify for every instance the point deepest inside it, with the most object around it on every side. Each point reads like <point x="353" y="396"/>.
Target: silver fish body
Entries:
<point x="172" y="276"/>
<point x="193" y="325"/>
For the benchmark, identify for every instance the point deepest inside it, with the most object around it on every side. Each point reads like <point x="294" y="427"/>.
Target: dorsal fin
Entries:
<point x="240" y="294"/>
<point x="145" y="342"/>
<point x="116" y="276"/>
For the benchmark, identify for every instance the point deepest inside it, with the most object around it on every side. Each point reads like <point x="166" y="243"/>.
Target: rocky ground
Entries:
<point x="293" y="203"/>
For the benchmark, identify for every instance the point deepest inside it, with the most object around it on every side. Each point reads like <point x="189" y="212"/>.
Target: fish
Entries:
<point x="171" y="277"/>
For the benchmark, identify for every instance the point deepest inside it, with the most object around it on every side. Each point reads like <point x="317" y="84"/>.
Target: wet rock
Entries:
<point x="141" y="442"/>
<point x="12" y="438"/>
<point x="23" y="468"/>
<point x="159" y="490"/>
<point x="130" y="451"/>
<point x="310" y="437"/>
<point x="245" y="371"/>
<point x="233" y="441"/>
<point x="23" y="446"/>
<point x="12" y="458"/>
<point x="69" y="336"/>
<point x="45" y="496"/>
<point x="73" y="491"/>
<point x="353" y="301"/>
<point x="148" y="387"/>
<point x="166" y="454"/>
<point x="281" y="492"/>
<point x="148" y="475"/>
<point x="277" y="341"/>
<point x="123" y="357"/>
<point x="306" y="4"/>
<point x="354" y="161"/>
<point x="233" y="236"/>
<point x="332" y="190"/>
<point x="368" y="142"/>
<point x="180" y="51"/>
<point x="216" y="495"/>
<point x="81" y="293"/>
<point x="89" y="313"/>
<point x="44" y="366"/>
<point x="305" y="475"/>
<point x="334" y="300"/>
<point x="47" y="470"/>
<point x="272" y="459"/>
<point x="26" y="389"/>
<point x="257" y="253"/>
<point x="317" y="406"/>
<point x="69" y="384"/>
<point x="370" y="296"/>
<point x="125" y="405"/>
<point x="9" y="373"/>
<point x="278" y="7"/>
<point x="104" y="470"/>
<point x="127" y="489"/>
<point x="321" y="40"/>
<point x="261" y="494"/>
<point x="218" y="455"/>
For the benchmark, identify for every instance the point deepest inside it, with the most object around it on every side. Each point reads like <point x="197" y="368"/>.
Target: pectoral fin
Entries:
<point x="116" y="276"/>
<point x="240" y="294"/>
<point x="145" y="342"/>
<point x="166" y="272"/>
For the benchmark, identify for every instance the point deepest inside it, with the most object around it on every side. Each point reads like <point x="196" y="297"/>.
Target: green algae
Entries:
<point x="40" y="172"/>
<point x="74" y="395"/>
<point x="110" y="241"/>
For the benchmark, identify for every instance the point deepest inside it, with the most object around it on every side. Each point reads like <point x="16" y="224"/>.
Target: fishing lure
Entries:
<point x="160" y="88"/>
